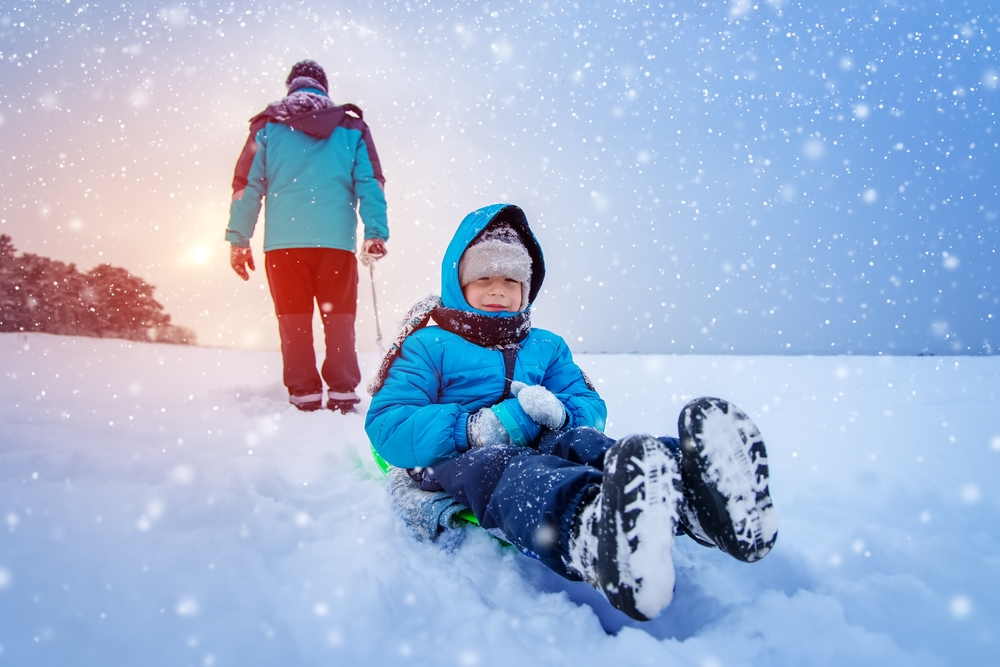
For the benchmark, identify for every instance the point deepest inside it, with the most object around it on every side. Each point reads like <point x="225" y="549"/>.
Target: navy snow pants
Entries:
<point x="530" y="495"/>
<point x="298" y="278"/>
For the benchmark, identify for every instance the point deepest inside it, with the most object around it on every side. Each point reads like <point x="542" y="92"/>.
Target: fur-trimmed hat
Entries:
<point x="306" y="69"/>
<point x="497" y="251"/>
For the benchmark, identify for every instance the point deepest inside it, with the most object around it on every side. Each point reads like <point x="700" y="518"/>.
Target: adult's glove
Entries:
<point x="540" y="404"/>
<point x="372" y="250"/>
<point x="485" y="430"/>
<point x="240" y="258"/>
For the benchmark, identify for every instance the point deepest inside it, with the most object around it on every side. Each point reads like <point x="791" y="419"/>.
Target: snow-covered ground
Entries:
<point x="164" y="506"/>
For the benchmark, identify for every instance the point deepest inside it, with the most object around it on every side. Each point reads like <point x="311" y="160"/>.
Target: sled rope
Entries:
<point x="378" y="327"/>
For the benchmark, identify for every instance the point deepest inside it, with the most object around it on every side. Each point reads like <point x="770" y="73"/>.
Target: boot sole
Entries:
<point x="725" y="472"/>
<point x="639" y="501"/>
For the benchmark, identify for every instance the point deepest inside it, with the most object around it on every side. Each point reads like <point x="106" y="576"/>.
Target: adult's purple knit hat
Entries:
<point x="309" y="69"/>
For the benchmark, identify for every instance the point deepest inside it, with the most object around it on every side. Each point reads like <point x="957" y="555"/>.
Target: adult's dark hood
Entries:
<point x="307" y="110"/>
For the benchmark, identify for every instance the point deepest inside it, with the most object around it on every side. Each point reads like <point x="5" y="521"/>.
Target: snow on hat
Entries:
<point x="497" y="251"/>
<point x="306" y="69"/>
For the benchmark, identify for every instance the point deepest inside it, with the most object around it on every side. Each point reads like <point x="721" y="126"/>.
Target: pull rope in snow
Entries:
<point x="378" y="327"/>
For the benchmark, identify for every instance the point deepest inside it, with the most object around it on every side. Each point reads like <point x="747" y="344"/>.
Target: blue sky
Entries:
<point x="709" y="178"/>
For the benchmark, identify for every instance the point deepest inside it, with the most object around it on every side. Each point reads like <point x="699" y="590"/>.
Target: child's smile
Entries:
<point x="494" y="294"/>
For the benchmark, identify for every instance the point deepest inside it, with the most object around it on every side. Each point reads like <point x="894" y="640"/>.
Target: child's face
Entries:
<point x="494" y="294"/>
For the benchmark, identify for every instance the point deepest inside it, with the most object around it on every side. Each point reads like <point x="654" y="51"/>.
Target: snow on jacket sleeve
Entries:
<point x="249" y="187"/>
<point x="406" y="425"/>
<point x="564" y="378"/>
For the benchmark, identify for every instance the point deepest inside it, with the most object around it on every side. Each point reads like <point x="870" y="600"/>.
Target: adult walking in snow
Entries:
<point x="316" y="164"/>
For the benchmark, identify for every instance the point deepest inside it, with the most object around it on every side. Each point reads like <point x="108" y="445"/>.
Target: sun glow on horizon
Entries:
<point x="199" y="254"/>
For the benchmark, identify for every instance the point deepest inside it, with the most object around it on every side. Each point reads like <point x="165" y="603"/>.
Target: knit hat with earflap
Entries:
<point x="306" y="74"/>
<point x="497" y="251"/>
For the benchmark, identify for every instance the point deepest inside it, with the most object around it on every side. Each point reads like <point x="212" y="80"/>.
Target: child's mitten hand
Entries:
<point x="540" y="404"/>
<point x="485" y="430"/>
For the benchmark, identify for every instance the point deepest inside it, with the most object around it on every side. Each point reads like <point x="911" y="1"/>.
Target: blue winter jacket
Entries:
<point x="419" y="416"/>
<point x="315" y="162"/>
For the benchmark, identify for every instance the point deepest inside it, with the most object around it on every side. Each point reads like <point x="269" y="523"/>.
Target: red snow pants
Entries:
<point x="298" y="278"/>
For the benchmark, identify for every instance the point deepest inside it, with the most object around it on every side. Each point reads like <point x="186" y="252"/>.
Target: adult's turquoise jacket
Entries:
<point x="316" y="165"/>
<point x="438" y="379"/>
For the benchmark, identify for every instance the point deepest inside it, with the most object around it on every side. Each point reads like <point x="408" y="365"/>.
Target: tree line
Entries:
<point x="42" y="294"/>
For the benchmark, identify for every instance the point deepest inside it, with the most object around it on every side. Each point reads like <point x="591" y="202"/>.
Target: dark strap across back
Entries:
<point x="509" y="357"/>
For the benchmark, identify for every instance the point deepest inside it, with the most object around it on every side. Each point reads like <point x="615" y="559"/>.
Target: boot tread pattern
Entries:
<point x="641" y="498"/>
<point x="726" y="479"/>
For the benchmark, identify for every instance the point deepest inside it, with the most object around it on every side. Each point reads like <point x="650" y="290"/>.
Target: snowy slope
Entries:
<point x="164" y="506"/>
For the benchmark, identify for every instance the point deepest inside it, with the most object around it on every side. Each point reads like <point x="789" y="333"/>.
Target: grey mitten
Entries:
<point x="540" y="404"/>
<point x="485" y="430"/>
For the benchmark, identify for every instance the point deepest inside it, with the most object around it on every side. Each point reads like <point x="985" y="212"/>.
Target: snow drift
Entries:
<point x="164" y="505"/>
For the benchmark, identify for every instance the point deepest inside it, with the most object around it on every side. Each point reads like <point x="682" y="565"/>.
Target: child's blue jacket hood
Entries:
<point x="470" y="227"/>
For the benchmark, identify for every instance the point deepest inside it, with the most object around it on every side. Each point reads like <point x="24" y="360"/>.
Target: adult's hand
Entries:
<point x="372" y="250"/>
<point x="240" y="258"/>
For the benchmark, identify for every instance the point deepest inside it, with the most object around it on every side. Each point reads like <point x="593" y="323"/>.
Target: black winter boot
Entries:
<point x="622" y="540"/>
<point x="724" y="475"/>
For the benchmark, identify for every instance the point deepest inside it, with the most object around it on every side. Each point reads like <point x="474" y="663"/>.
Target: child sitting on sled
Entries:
<point x="497" y="414"/>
